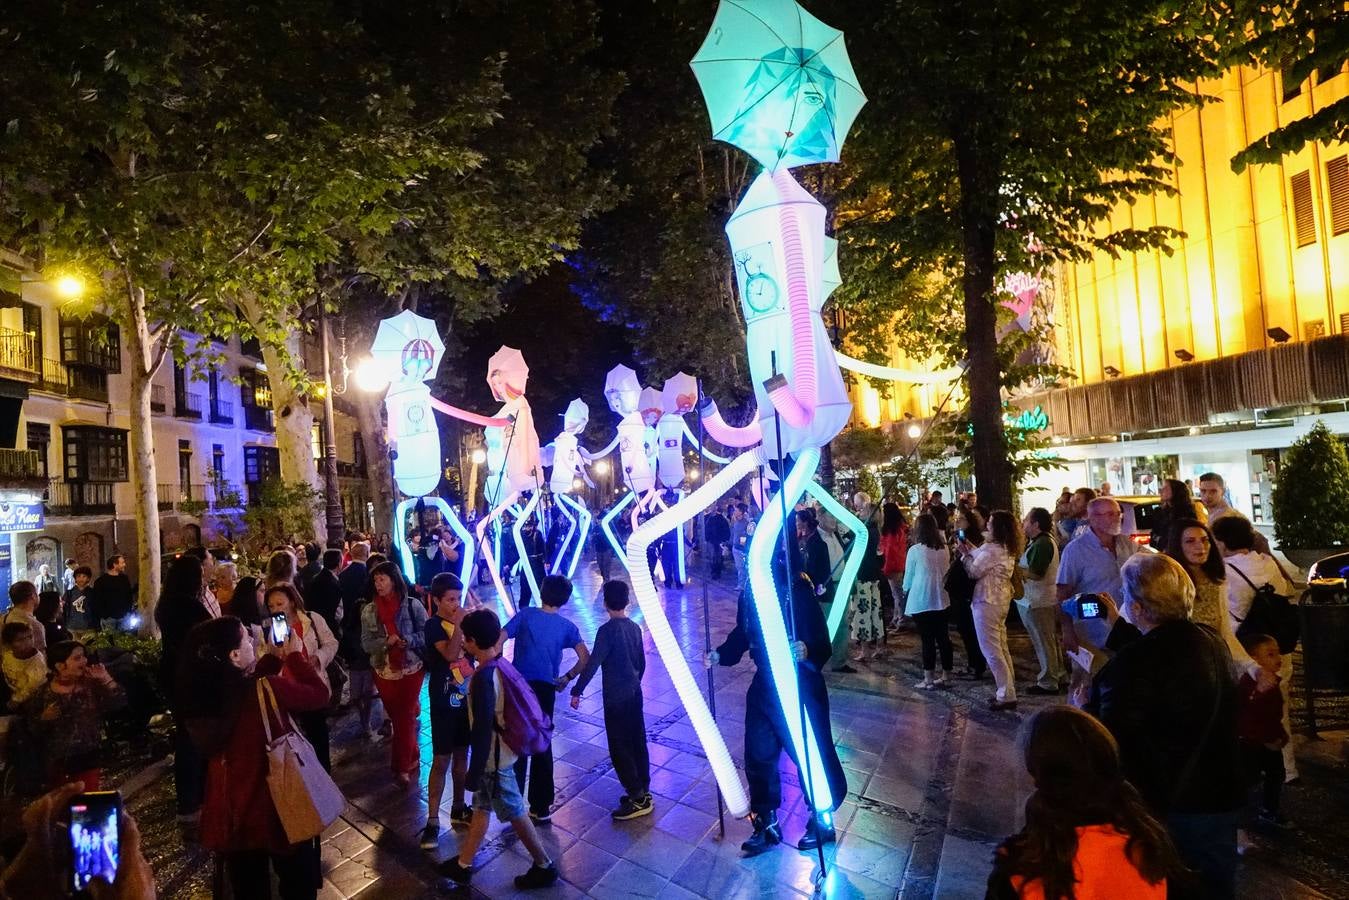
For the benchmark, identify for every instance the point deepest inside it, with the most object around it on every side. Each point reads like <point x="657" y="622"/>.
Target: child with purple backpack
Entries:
<point x="505" y="722"/>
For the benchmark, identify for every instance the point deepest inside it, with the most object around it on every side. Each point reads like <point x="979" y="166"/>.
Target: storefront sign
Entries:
<point x="16" y="517"/>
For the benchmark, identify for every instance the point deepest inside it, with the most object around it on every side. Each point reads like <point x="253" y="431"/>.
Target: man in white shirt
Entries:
<point x="1213" y="494"/>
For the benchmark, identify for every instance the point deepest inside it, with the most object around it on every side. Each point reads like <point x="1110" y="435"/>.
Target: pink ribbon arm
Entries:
<point x="466" y="416"/>
<point x="598" y="454"/>
<point x="729" y="435"/>
<point x="796" y="406"/>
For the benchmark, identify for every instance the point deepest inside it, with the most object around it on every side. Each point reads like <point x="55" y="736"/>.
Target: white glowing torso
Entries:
<point x="758" y="245"/>
<point x="524" y="464"/>
<point x="670" y="449"/>
<point x="567" y="462"/>
<point x="632" y="449"/>
<point x="413" y="428"/>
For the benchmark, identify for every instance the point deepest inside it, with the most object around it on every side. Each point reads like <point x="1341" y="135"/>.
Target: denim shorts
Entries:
<point x="500" y="793"/>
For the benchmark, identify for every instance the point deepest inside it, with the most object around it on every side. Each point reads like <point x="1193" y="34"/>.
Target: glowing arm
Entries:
<point x="719" y="460"/>
<point x="598" y="454"/>
<point x="728" y="435"/>
<point x="466" y="416"/>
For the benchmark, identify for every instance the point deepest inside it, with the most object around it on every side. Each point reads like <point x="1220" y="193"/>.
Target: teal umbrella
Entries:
<point x="777" y="83"/>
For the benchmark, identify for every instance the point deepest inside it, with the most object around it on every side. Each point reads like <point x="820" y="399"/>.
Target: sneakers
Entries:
<point x="926" y="685"/>
<point x="537" y="877"/>
<point x="451" y="869"/>
<point x="1000" y="705"/>
<point x="633" y="809"/>
<point x="541" y="818"/>
<point x="767" y="834"/>
<point x="430" y="838"/>
<point x="460" y="816"/>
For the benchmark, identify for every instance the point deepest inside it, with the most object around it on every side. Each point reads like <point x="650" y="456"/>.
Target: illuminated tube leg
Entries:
<point x="780" y="664"/>
<point x="493" y="564"/>
<point x="520" y="542"/>
<point x="683" y="569"/>
<point x="515" y="569"/>
<point x="584" y="515"/>
<point x="399" y="530"/>
<point x="609" y="532"/>
<point x="556" y="568"/>
<point x="671" y="653"/>
<point x="856" y="553"/>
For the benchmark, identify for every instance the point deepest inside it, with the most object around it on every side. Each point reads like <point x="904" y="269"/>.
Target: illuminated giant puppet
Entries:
<point x="565" y="455"/>
<point x="778" y="84"/>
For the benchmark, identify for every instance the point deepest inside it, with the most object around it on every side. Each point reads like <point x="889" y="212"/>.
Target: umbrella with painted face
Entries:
<point x="777" y="82"/>
<point x="408" y="347"/>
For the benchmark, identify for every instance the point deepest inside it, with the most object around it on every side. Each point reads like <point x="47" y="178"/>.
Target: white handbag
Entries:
<point x="306" y="798"/>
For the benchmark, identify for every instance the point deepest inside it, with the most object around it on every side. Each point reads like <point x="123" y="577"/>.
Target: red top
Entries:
<point x="1103" y="869"/>
<point x="237" y="813"/>
<point x="894" y="550"/>
<point x="1259" y="713"/>
<point x="386" y="609"/>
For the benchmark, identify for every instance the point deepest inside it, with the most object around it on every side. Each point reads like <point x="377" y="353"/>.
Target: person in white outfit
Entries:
<point x="991" y="566"/>
<point x="1249" y="569"/>
<point x="924" y="570"/>
<point x="1038" y="605"/>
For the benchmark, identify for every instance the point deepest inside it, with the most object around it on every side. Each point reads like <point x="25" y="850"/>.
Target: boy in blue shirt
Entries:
<point x="540" y="637"/>
<point x="618" y="648"/>
<point x="449" y="670"/>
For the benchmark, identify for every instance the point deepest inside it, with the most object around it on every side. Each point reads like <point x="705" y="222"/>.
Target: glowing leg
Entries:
<point x="856" y="553"/>
<point x="520" y="542"/>
<point x="780" y="664"/>
<point x="671" y="653"/>
<point x="609" y="532"/>
<point x="679" y="550"/>
<point x="556" y="568"/>
<point x="493" y="565"/>
<point x="584" y="515"/>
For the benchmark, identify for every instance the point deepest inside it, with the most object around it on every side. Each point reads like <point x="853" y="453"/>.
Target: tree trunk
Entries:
<point x="145" y="361"/>
<point x="978" y="223"/>
<point x="378" y="476"/>
<point x="294" y="426"/>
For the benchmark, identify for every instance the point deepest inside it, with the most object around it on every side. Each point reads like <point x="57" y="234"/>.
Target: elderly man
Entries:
<point x="1168" y="698"/>
<point x="1091" y="561"/>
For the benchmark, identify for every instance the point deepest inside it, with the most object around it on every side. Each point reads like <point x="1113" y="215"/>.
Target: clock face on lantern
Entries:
<point x="758" y="287"/>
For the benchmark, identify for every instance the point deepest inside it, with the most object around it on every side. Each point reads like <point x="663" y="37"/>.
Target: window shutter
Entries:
<point x="1304" y="214"/>
<point x="1337" y="183"/>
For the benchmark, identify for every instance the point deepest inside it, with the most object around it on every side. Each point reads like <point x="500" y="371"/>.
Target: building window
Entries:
<point x="218" y="461"/>
<point x="250" y="347"/>
<point x="1291" y="88"/>
<point x="1337" y="186"/>
<point x="255" y="395"/>
<point x="94" y="342"/>
<point x="39" y="440"/>
<point x="357" y="452"/>
<point x="185" y="468"/>
<point x="316" y="439"/>
<point x="260" y="464"/>
<point x="94" y="454"/>
<point x="1304" y="212"/>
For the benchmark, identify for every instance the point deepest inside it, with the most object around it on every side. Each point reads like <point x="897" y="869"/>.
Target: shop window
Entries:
<point x="94" y="454"/>
<point x="1304" y="212"/>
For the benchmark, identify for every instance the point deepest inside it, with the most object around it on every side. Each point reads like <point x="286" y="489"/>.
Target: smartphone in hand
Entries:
<point x="95" y="845"/>
<point x="280" y="629"/>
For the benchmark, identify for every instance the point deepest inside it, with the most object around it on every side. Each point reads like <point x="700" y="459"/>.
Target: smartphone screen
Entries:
<point x="960" y="534"/>
<point x="94" y="849"/>
<point x="1090" y="609"/>
<point x="280" y="629"/>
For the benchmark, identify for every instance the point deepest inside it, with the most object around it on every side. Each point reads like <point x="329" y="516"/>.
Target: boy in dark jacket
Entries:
<point x="489" y="776"/>
<point x="618" y="648"/>
<point x="1260" y="726"/>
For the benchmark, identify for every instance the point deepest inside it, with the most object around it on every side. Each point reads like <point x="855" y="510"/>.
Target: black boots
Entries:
<point x="816" y="834"/>
<point x="767" y="834"/>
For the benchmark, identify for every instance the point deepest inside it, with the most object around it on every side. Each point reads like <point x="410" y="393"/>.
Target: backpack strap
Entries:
<point x="1248" y="581"/>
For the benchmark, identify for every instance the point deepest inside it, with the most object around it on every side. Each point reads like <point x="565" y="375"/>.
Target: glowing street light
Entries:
<point x="478" y="456"/>
<point x="371" y="376"/>
<point x="69" y="287"/>
<point x="691" y="474"/>
<point x="915" y="431"/>
<point x="602" y="467"/>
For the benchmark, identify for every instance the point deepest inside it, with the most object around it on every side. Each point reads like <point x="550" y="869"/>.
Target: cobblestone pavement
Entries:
<point x="933" y="778"/>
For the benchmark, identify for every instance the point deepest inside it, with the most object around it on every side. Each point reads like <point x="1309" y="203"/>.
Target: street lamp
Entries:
<point x="371" y="376"/>
<point x="602" y="467"/>
<point x="69" y="287"/>
<point x="915" y="431"/>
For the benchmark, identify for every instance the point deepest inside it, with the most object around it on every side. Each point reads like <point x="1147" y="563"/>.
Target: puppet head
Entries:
<point x="577" y="416"/>
<point x="680" y="393"/>
<point x="650" y="405"/>
<point x="622" y="390"/>
<point x="507" y="374"/>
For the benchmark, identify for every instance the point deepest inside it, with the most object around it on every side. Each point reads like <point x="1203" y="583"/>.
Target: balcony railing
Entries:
<point x="222" y="411"/>
<point x="79" y="382"/>
<point x="258" y="418"/>
<point x="187" y="405"/>
<point x="18" y="355"/>
<point x="19" y="466"/>
<point x="85" y="498"/>
<point x="157" y="401"/>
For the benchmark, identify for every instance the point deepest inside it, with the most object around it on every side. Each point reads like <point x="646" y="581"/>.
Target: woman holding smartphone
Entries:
<point x="219" y="677"/>
<point x="318" y="645"/>
<point x="392" y="632"/>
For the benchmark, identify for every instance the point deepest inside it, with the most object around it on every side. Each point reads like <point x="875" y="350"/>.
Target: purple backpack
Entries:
<point x="527" y="730"/>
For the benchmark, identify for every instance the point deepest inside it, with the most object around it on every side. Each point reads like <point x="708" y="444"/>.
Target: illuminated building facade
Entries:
<point x="1217" y="356"/>
<point x="64" y="424"/>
